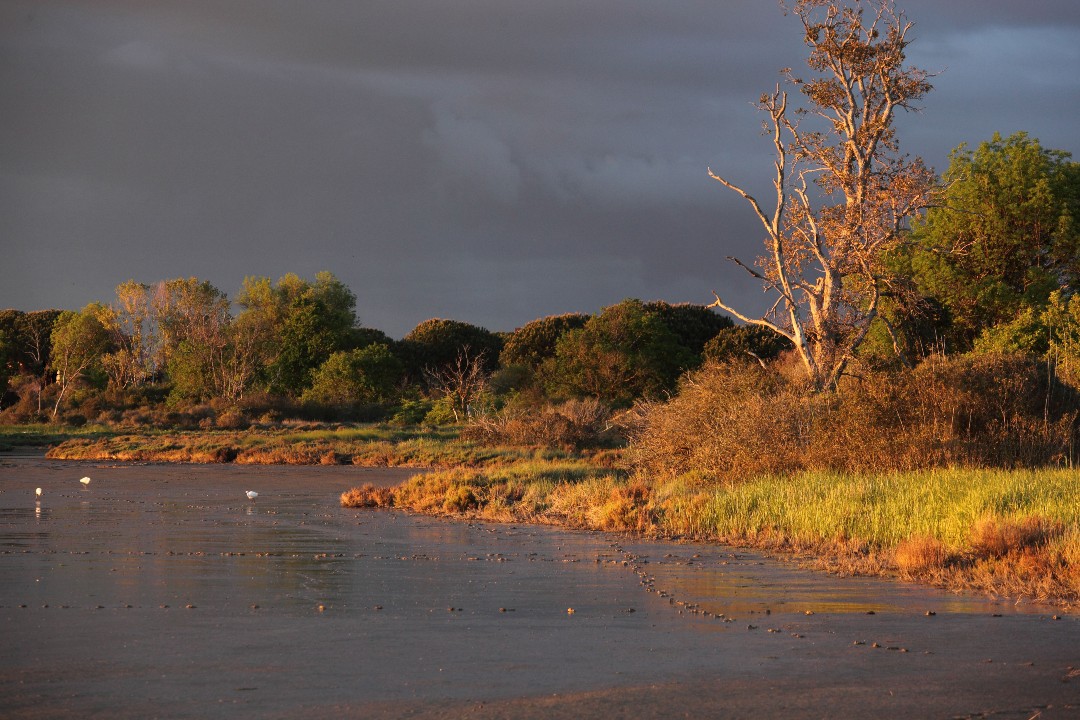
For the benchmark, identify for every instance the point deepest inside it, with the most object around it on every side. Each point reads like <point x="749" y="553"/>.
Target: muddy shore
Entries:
<point x="162" y="591"/>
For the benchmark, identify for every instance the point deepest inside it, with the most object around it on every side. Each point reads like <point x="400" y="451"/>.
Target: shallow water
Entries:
<point x="161" y="591"/>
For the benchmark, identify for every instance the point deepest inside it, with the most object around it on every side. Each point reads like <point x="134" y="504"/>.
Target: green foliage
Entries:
<point x="693" y="325"/>
<point x="437" y="343"/>
<point x="1062" y="320"/>
<point x="354" y="377"/>
<point x="9" y="348"/>
<point x="308" y="322"/>
<point x="737" y="343"/>
<point x="534" y="342"/>
<point x="25" y="344"/>
<point x="361" y="337"/>
<point x="412" y="411"/>
<point x="442" y="412"/>
<point x="624" y="353"/>
<point x="78" y="342"/>
<point x="1005" y="238"/>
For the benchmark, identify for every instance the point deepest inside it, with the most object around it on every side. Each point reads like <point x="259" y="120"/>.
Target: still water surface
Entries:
<point x="162" y="591"/>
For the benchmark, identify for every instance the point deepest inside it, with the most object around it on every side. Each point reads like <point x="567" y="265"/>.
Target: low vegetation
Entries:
<point x="1013" y="533"/>
<point x="297" y="444"/>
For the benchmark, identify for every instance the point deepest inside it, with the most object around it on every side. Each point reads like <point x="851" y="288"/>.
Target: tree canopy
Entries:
<point x="1004" y="237"/>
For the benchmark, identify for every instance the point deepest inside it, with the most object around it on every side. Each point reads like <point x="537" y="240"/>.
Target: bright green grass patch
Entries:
<point x="879" y="510"/>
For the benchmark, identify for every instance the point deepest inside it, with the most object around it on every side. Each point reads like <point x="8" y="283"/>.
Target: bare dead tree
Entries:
<point x="461" y="381"/>
<point x="844" y="194"/>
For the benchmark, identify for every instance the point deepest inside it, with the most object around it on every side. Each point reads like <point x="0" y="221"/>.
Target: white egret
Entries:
<point x="85" y="481"/>
<point x="251" y="494"/>
<point x="37" y="493"/>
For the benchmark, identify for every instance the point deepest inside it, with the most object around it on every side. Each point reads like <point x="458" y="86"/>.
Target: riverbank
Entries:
<point x="1006" y="533"/>
<point x="1009" y="533"/>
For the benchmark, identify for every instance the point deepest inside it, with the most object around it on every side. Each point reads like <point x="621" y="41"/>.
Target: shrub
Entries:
<point x="997" y="538"/>
<point x="572" y="424"/>
<point x="735" y="420"/>
<point x="368" y="496"/>
<point x="920" y="554"/>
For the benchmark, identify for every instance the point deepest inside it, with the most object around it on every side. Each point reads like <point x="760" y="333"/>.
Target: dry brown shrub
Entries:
<point x="573" y="424"/>
<point x="368" y="496"/>
<point x="920" y="554"/>
<point x="735" y="420"/>
<point x="332" y="458"/>
<point x="997" y="537"/>
<point x="232" y="419"/>
<point x="728" y="421"/>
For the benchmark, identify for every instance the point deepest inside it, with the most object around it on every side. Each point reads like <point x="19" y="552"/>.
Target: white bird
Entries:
<point x="37" y="492"/>
<point x="251" y="494"/>
<point x="85" y="481"/>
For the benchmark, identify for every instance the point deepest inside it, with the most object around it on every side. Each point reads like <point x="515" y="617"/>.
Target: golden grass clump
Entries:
<point x="919" y="555"/>
<point x="996" y="537"/>
<point x="368" y="496"/>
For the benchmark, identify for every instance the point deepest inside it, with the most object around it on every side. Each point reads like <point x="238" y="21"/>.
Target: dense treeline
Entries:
<point x="176" y="353"/>
<point x="991" y="272"/>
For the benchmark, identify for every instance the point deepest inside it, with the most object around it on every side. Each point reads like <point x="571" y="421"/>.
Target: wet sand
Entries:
<point x="161" y="591"/>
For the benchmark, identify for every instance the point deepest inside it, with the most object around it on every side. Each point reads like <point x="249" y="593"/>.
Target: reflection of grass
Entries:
<point x="1009" y="532"/>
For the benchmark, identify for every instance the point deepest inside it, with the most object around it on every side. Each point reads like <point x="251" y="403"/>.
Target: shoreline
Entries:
<point x="472" y="482"/>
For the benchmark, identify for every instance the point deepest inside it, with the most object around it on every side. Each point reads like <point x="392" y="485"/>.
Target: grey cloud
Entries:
<point x="488" y="161"/>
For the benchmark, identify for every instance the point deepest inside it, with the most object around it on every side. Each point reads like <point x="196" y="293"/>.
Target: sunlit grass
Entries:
<point x="1008" y="532"/>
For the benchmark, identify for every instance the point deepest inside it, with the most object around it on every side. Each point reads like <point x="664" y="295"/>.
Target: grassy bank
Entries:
<point x="364" y="445"/>
<point x="1011" y="533"/>
<point x="14" y="438"/>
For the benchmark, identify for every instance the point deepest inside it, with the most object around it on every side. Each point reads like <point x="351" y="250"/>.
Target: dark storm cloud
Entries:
<point x="487" y="161"/>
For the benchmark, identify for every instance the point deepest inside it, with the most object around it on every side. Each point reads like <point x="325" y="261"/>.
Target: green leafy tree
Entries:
<point x="1062" y="320"/>
<point x="745" y="341"/>
<point x="1004" y="238"/>
<point x="437" y="343"/>
<point x="34" y="341"/>
<point x="693" y="325"/>
<point x="356" y="377"/>
<point x="308" y="322"/>
<point x="624" y="353"/>
<point x="534" y="342"/>
<point x="193" y="320"/>
<point x="79" y="341"/>
<point x="10" y="320"/>
<point x="129" y="324"/>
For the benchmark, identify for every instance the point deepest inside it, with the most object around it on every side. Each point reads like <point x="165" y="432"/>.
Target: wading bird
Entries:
<point x="85" y="481"/>
<point x="251" y="494"/>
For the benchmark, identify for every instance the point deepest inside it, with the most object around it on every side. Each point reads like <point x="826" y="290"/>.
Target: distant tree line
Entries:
<point x="295" y="347"/>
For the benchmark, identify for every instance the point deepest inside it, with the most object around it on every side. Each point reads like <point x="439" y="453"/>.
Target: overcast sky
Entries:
<point x="481" y="160"/>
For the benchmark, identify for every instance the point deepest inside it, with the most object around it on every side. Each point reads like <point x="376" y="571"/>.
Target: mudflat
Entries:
<point x="163" y="591"/>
